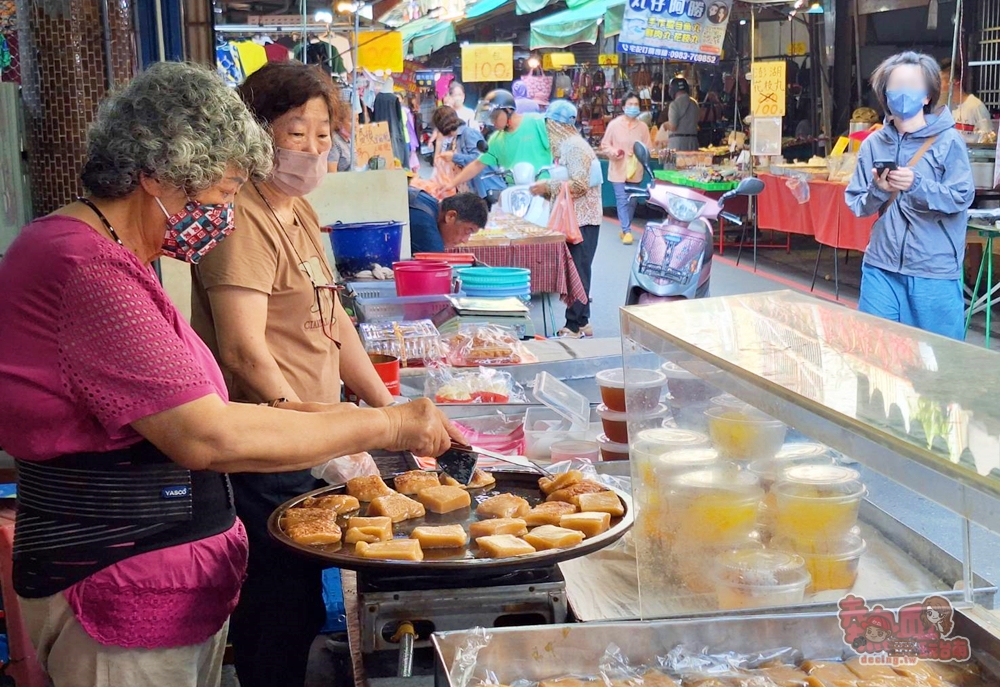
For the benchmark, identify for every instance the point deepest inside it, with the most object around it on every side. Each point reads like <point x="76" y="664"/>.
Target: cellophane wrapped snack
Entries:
<point x="484" y="344"/>
<point x="481" y="385"/>
<point x="339" y="470"/>
<point x="412" y="342"/>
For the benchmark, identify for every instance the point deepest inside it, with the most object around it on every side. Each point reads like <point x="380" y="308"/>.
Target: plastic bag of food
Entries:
<point x="484" y="344"/>
<point x="481" y="385"/>
<point x="466" y="660"/>
<point x="414" y="343"/>
<point x="339" y="470"/>
<point x="799" y="186"/>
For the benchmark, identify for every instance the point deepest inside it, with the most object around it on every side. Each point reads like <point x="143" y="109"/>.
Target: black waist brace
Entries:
<point x="80" y="513"/>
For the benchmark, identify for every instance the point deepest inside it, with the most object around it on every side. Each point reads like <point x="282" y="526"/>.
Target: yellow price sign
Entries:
<point x="488" y="62"/>
<point x="373" y="140"/>
<point x="606" y="60"/>
<point x="767" y="89"/>
<point x="558" y="60"/>
<point x="381" y="50"/>
<point x="797" y="49"/>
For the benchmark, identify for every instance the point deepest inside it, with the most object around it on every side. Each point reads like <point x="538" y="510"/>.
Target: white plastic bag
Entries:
<point x="339" y="470"/>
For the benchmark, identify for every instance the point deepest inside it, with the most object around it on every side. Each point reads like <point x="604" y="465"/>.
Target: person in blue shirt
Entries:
<point x="912" y="271"/>
<point x="437" y="226"/>
<point x="465" y="146"/>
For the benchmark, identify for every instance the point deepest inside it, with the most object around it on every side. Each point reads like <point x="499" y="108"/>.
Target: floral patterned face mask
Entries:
<point x="196" y="230"/>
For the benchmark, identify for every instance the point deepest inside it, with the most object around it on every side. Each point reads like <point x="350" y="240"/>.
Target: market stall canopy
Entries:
<point x="433" y="39"/>
<point x="613" y="19"/>
<point x="578" y="24"/>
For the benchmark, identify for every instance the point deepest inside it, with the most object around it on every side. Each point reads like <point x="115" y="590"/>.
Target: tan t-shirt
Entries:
<point x="283" y="261"/>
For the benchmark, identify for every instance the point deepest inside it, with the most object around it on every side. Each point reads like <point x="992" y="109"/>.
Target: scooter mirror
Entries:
<point x="750" y="186"/>
<point x="642" y="154"/>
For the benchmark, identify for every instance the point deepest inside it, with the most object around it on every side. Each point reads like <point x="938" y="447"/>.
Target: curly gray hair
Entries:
<point x="177" y="123"/>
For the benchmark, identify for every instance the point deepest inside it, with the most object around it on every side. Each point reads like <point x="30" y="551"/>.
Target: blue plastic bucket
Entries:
<point x="358" y="246"/>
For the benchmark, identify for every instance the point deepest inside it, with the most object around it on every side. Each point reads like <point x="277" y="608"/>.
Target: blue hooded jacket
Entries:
<point x="922" y="233"/>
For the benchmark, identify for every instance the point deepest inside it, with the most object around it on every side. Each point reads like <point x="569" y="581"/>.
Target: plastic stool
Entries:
<point x="24" y="666"/>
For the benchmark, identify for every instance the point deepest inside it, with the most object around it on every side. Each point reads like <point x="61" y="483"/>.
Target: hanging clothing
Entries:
<point x="228" y="64"/>
<point x="343" y="60"/>
<point x="276" y="52"/>
<point x="387" y="109"/>
<point x="252" y="56"/>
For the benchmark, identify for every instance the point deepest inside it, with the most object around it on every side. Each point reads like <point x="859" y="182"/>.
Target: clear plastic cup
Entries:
<point x="758" y="579"/>
<point x="571" y="449"/>
<point x="816" y="503"/>
<point x="616" y="423"/>
<point x="686" y="388"/>
<point x="744" y="433"/>
<point x="831" y="564"/>
<point x="713" y="507"/>
<point x="612" y="450"/>
<point x="646" y="387"/>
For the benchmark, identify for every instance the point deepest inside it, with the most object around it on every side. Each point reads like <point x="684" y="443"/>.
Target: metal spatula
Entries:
<point x="459" y="462"/>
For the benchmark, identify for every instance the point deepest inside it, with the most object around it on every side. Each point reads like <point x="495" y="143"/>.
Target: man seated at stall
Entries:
<point x="437" y="226"/>
<point x="968" y="110"/>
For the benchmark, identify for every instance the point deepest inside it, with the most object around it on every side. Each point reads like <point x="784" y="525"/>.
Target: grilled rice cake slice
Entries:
<point x="396" y="507"/>
<point x="654" y="678"/>
<point x="600" y="502"/>
<point x="296" y="515"/>
<point x="317" y="531"/>
<point x="480" y="480"/>
<point x="869" y="672"/>
<point x="503" y="546"/>
<point x="442" y="499"/>
<point x="967" y="674"/>
<point x="567" y="493"/>
<point x="560" y="481"/>
<point x="488" y="528"/>
<point x="368" y="488"/>
<point x="368" y="530"/>
<point x="825" y="672"/>
<point x="591" y="524"/>
<point x="503" y="506"/>
<point x="338" y="503"/>
<point x="781" y="674"/>
<point x="395" y="550"/>
<point x="548" y="513"/>
<point x="569" y="682"/>
<point x="412" y="482"/>
<point x="551" y="537"/>
<point x="443" y="537"/>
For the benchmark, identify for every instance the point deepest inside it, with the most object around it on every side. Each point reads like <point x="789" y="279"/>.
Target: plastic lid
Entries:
<point x="662" y="439"/>
<point x="614" y="378"/>
<point x="803" y="449"/>
<point x="687" y="459"/>
<point x="744" y="414"/>
<point x="728" y="401"/>
<point x="769" y="469"/>
<point x="608" y="445"/>
<point x="820" y="481"/>
<point x="560" y="398"/>
<point x="844" y="548"/>
<point x="575" y="447"/>
<point x="614" y="416"/>
<point x="674" y="371"/>
<point x="722" y="478"/>
<point x="755" y="568"/>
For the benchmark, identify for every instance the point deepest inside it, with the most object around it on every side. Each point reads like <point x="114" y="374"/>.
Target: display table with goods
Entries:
<point x="762" y="554"/>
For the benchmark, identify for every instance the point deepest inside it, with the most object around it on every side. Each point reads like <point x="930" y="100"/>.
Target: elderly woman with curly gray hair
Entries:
<point x="128" y="555"/>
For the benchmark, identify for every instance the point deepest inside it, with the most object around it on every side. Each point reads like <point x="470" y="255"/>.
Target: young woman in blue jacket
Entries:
<point x="463" y="148"/>
<point x="915" y="174"/>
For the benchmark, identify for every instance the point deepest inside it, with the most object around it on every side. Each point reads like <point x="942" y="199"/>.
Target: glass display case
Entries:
<point x="814" y="452"/>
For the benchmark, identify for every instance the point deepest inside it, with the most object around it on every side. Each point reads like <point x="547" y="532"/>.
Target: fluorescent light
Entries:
<point x="816" y="7"/>
<point x="324" y="17"/>
<point x="743" y="22"/>
<point x="533" y="62"/>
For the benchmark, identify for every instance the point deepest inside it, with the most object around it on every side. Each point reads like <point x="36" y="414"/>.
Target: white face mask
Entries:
<point x="298" y="173"/>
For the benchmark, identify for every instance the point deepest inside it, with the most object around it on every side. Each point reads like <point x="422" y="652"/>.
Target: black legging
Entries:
<point x="578" y="314"/>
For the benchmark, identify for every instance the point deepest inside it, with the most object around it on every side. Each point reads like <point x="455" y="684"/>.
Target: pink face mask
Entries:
<point x="297" y="173"/>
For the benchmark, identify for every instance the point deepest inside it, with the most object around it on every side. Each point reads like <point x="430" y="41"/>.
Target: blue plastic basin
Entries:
<point x="358" y="246"/>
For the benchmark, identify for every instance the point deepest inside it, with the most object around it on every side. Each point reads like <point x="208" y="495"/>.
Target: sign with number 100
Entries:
<point x="488" y="62"/>
<point x="767" y="89"/>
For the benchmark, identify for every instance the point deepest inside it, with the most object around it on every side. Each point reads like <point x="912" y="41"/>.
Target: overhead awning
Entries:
<point x="531" y="6"/>
<point x="483" y="7"/>
<point x="576" y="25"/>
<point x="614" y="17"/>
<point x="433" y="39"/>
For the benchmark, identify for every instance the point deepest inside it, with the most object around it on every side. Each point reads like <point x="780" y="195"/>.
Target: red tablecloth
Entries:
<point x="552" y="268"/>
<point x="825" y="216"/>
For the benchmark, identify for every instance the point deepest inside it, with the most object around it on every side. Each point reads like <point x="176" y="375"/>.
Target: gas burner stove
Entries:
<point x="441" y="603"/>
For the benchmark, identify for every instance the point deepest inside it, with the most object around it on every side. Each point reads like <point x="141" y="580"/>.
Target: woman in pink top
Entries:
<point x="128" y="556"/>
<point x="619" y="139"/>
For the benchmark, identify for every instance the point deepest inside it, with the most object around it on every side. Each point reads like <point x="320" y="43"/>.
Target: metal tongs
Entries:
<point x="460" y="461"/>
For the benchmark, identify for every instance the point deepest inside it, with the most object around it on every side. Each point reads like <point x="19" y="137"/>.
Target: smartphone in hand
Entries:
<point x="883" y="166"/>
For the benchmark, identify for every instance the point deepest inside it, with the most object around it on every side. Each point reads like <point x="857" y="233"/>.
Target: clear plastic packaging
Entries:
<point x="713" y="507"/>
<point x="571" y="449"/>
<point x="483" y="385"/>
<point x="339" y="470"/>
<point x="412" y="342"/>
<point x="612" y="450"/>
<point x="650" y="444"/>
<point x="758" y="579"/>
<point x="816" y="503"/>
<point x="831" y="564"/>
<point x="484" y="344"/>
<point x="562" y="399"/>
<point x="744" y="433"/>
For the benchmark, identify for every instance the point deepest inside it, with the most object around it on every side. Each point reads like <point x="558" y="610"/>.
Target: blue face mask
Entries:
<point x="906" y="103"/>
<point x="632" y="111"/>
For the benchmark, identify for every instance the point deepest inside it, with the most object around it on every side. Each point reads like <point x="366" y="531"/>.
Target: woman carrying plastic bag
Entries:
<point x="582" y="195"/>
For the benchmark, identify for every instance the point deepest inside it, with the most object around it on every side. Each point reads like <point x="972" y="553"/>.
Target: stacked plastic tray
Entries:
<point x="495" y="282"/>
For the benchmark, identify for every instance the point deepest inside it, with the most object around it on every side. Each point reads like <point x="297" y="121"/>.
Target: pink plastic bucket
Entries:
<point x="422" y="280"/>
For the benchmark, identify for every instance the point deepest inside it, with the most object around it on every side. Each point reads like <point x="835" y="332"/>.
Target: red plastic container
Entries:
<point x="422" y="280"/>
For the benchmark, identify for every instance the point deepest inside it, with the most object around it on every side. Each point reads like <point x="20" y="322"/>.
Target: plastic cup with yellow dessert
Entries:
<point x="831" y="564"/>
<point x="758" y="579"/>
<point x="744" y="433"/>
<point x="817" y="502"/>
<point x="714" y="506"/>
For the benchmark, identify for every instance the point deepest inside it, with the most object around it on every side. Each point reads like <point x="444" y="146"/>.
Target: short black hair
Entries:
<point x="468" y="206"/>
<point x="629" y="96"/>
<point x="928" y="67"/>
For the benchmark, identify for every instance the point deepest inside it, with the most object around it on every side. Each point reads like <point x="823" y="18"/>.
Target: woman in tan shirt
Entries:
<point x="266" y="307"/>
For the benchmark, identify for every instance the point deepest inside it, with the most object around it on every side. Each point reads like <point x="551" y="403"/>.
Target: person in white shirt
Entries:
<point x="456" y="100"/>
<point x="967" y="109"/>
